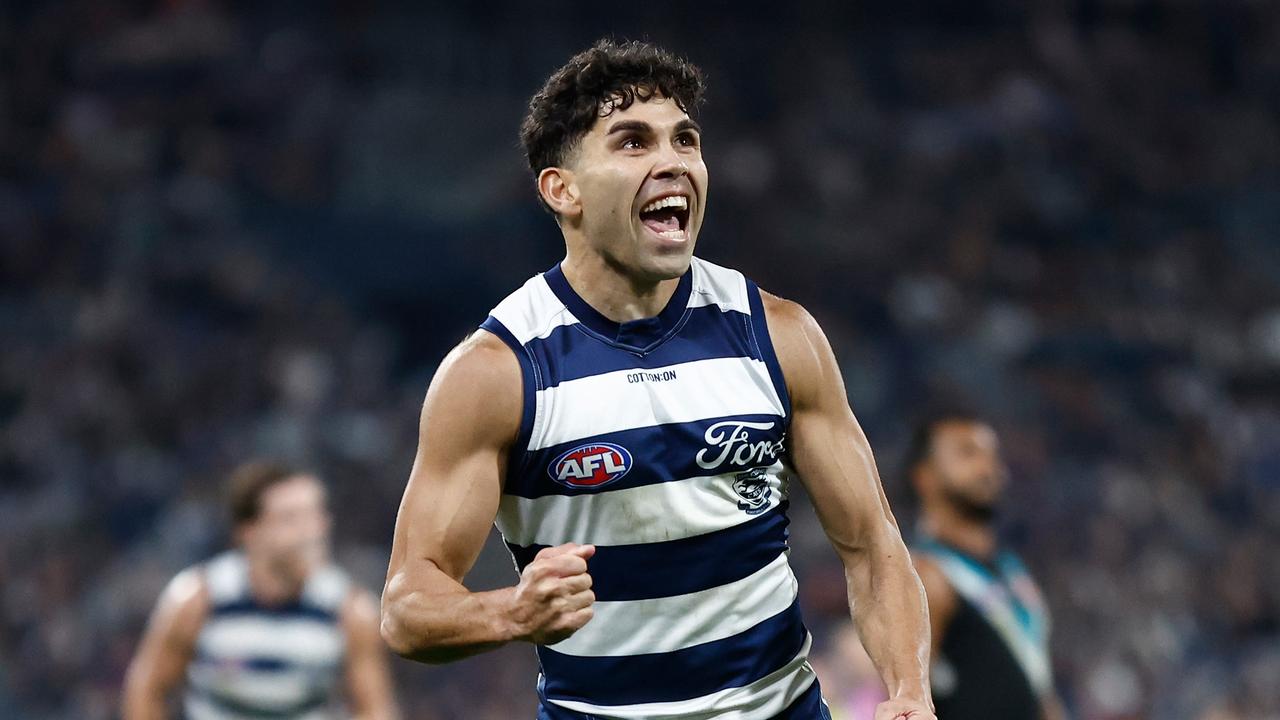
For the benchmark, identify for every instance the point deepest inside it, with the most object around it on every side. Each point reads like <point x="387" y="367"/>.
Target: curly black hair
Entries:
<point x="607" y="77"/>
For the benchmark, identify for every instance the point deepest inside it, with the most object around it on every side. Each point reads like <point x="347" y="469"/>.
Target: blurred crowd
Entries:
<point x="233" y="229"/>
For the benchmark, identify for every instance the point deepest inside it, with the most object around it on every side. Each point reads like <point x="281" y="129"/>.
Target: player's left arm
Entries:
<point x="832" y="456"/>
<point x="368" y="670"/>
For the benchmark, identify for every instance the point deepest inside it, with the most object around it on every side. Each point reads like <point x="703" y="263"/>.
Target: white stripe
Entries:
<point x="268" y="690"/>
<point x="606" y="403"/>
<point x="715" y="285"/>
<point x="533" y="311"/>
<point x="303" y="641"/>
<point x="647" y="514"/>
<point x="760" y="700"/>
<point x="658" y="625"/>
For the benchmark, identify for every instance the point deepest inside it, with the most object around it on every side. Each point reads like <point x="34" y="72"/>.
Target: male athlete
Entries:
<point x="270" y="629"/>
<point x="631" y="418"/>
<point x="989" y="623"/>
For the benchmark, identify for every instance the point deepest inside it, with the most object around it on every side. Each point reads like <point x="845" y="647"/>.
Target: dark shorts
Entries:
<point x="808" y="706"/>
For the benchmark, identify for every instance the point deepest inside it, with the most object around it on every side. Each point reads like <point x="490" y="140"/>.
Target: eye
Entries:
<point x="632" y="143"/>
<point x="687" y="139"/>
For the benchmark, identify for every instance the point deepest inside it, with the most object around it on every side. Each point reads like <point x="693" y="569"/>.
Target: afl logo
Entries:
<point x="589" y="466"/>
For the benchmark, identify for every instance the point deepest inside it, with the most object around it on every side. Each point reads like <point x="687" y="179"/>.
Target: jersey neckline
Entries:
<point x="638" y="336"/>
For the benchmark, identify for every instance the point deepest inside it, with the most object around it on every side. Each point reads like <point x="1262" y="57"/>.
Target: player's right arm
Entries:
<point x="166" y="648"/>
<point x="469" y="424"/>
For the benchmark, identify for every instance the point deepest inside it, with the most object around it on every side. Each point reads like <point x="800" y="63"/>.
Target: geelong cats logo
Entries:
<point x="588" y="466"/>
<point x="753" y="490"/>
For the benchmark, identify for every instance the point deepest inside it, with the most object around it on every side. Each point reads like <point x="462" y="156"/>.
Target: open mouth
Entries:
<point x="667" y="217"/>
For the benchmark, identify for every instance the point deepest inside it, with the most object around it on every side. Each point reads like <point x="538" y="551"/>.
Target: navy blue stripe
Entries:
<point x="570" y="353"/>
<point x="530" y="384"/>
<point x="659" y="453"/>
<point x="680" y="675"/>
<point x="637" y="335"/>
<point x="676" y="567"/>
<point x="261" y="664"/>
<point x="760" y="326"/>
<point x="276" y="612"/>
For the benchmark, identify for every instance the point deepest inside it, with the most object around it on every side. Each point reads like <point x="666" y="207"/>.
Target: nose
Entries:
<point x="670" y="165"/>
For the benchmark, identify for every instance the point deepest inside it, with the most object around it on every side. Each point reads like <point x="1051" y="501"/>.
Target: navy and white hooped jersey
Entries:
<point x="660" y="441"/>
<point x="255" y="661"/>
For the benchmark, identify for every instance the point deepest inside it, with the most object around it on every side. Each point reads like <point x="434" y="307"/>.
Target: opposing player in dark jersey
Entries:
<point x="990" y="627"/>
<point x="270" y="629"/>
<point x="632" y="418"/>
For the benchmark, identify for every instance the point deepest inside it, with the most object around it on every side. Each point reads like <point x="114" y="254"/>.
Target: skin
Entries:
<point x="963" y="468"/>
<point x="286" y="542"/>
<point x="471" y="418"/>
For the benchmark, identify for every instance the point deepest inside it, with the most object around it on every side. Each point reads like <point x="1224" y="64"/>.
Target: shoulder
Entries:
<point x="477" y="388"/>
<point x="184" y="604"/>
<point x="942" y="596"/>
<point x="482" y="363"/>
<point x="805" y="355"/>
<point x="787" y="316"/>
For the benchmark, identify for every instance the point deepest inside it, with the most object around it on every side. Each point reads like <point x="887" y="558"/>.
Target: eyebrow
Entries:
<point x="641" y="126"/>
<point x="688" y="124"/>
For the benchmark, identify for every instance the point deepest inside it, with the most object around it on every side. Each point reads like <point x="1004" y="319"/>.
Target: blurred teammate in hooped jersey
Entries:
<point x="270" y="629"/>
<point x="989" y="623"/>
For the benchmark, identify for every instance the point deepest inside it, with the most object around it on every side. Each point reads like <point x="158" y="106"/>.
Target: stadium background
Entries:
<point x="238" y="228"/>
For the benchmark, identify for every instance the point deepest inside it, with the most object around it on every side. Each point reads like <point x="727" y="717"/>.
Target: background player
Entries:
<point x="715" y="388"/>
<point x="990" y="626"/>
<point x="270" y="629"/>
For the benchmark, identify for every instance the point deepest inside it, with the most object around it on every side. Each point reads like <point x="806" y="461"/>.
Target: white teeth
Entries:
<point x="673" y="234"/>
<point x="675" y="201"/>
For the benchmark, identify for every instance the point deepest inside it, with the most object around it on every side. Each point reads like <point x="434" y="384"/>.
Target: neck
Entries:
<point x="269" y="585"/>
<point x="614" y="293"/>
<point x="952" y="528"/>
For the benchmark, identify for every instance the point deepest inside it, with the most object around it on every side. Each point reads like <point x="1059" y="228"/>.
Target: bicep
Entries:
<point x="829" y="450"/>
<point x="468" y="421"/>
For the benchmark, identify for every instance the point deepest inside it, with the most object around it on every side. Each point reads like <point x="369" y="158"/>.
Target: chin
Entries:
<point x="668" y="266"/>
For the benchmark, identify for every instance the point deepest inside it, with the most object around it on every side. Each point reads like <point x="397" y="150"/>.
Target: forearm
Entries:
<point x="445" y="624"/>
<point x="889" y="608"/>
<point x="388" y="712"/>
<point x="144" y="701"/>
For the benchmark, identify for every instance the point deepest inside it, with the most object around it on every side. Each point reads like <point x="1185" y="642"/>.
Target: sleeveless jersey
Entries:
<point x="660" y="441"/>
<point x="257" y="661"/>
<point x="994" y="659"/>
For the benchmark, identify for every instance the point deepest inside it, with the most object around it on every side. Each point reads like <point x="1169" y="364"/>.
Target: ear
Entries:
<point x="558" y="190"/>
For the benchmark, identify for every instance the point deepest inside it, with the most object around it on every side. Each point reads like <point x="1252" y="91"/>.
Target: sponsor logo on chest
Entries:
<point x="731" y="442"/>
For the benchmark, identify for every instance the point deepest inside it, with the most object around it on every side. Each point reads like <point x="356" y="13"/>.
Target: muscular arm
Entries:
<point x="469" y="421"/>
<point x="368" y="674"/>
<point x="166" y="648"/>
<point x="835" y="463"/>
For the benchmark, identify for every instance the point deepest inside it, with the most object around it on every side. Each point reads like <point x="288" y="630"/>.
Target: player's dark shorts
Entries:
<point x="808" y="706"/>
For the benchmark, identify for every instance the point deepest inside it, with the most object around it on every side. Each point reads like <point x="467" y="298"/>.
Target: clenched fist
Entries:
<point x="904" y="710"/>
<point x="554" y="596"/>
